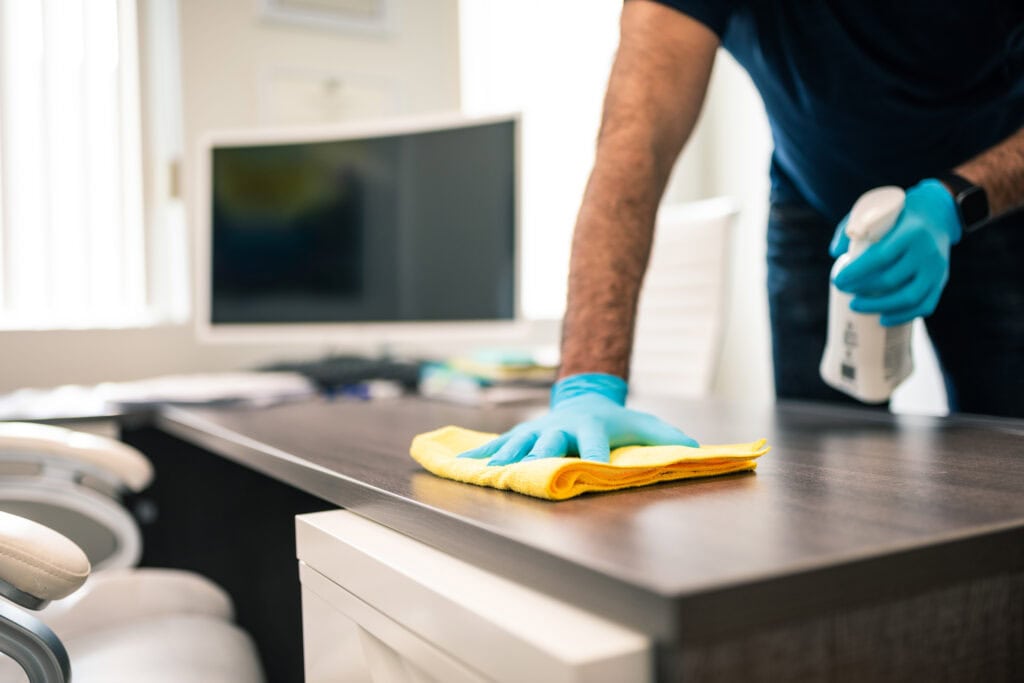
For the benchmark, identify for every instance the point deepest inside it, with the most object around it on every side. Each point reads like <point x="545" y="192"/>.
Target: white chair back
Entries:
<point x="682" y="306"/>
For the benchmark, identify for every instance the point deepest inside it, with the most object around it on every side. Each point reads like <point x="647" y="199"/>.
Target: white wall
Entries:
<point x="234" y="60"/>
<point x="550" y="61"/>
<point x="738" y="145"/>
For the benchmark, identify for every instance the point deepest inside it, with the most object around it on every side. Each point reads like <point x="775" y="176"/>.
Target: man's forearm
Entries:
<point x="654" y="96"/>
<point x="1000" y="170"/>
<point x="610" y="250"/>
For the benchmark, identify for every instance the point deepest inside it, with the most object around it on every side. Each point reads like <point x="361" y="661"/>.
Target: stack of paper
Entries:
<point x="490" y="377"/>
<point x="249" y="388"/>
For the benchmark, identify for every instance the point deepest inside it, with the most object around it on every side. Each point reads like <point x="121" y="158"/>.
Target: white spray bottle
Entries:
<point x="862" y="358"/>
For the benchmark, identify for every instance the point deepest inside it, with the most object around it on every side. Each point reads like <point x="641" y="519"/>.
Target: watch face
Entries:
<point x="973" y="206"/>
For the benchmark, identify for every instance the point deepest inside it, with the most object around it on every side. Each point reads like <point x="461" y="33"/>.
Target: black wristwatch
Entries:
<point x="971" y="201"/>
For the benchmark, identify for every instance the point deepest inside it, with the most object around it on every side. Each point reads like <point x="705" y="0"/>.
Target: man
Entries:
<point x="928" y="95"/>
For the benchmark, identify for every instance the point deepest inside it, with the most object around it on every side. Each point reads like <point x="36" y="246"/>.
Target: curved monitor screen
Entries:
<point x="410" y="227"/>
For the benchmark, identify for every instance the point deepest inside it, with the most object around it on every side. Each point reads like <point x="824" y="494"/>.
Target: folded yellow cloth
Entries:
<point x="561" y="478"/>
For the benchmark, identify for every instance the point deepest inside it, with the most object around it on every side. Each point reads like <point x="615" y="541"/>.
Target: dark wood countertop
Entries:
<point x="850" y="506"/>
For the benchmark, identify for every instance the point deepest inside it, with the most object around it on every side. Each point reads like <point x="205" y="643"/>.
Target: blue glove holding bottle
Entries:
<point x="903" y="274"/>
<point x="588" y="417"/>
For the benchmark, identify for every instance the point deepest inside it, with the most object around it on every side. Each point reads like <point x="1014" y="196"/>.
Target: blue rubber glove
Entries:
<point x="588" y="417"/>
<point x="902" y="275"/>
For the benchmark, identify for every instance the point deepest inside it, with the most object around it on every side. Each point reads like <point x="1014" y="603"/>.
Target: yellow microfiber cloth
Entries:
<point x="561" y="478"/>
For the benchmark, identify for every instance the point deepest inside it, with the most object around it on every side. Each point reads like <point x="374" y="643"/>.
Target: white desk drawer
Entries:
<point x="459" y="614"/>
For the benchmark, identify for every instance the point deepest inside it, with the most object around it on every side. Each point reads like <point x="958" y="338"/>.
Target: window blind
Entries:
<point x="71" y="209"/>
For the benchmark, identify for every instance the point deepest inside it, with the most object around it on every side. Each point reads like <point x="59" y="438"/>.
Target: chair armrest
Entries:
<point x="116" y="460"/>
<point x="37" y="564"/>
<point x="117" y="597"/>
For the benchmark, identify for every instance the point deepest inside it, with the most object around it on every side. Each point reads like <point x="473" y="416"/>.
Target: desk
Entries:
<point x="865" y="547"/>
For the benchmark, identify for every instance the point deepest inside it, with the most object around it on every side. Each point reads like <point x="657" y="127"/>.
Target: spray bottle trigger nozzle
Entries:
<point x="875" y="213"/>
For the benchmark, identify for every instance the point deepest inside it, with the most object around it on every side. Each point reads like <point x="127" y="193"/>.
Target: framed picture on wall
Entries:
<point x="361" y="16"/>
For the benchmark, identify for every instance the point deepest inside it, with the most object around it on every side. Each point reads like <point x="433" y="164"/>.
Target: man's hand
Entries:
<point x="902" y="275"/>
<point x="588" y="417"/>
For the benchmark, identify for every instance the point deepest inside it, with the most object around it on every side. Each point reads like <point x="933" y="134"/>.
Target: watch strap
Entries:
<point x="971" y="201"/>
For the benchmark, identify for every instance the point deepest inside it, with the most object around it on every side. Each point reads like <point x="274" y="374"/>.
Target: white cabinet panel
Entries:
<point x="330" y="643"/>
<point x="346" y="640"/>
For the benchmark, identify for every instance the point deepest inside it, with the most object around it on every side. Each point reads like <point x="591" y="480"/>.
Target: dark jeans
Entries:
<point x="977" y="329"/>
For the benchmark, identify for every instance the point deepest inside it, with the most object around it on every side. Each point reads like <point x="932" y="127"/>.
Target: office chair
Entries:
<point x="147" y="623"/>
<point x="38" y="565"/>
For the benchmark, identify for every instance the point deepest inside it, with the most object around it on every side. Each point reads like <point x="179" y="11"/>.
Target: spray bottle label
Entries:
<point x="897" y="353"/>
<point x="848" y="367"/>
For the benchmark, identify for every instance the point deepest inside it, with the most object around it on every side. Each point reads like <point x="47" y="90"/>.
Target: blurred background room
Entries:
<point x="105" y="105"/>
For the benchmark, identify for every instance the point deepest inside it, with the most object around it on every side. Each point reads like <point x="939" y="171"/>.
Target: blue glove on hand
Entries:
<point x="902" y="275"/>
<point x="588" y="418"/>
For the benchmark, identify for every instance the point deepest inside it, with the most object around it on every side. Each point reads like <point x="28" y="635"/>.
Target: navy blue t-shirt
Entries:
<point x="862" y="93"/>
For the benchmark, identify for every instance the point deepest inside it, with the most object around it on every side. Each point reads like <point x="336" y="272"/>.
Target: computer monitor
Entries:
<point x="383" y="228"/>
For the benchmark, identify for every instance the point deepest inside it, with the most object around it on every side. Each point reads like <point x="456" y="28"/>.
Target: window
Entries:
<point x="72" y="230"/>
